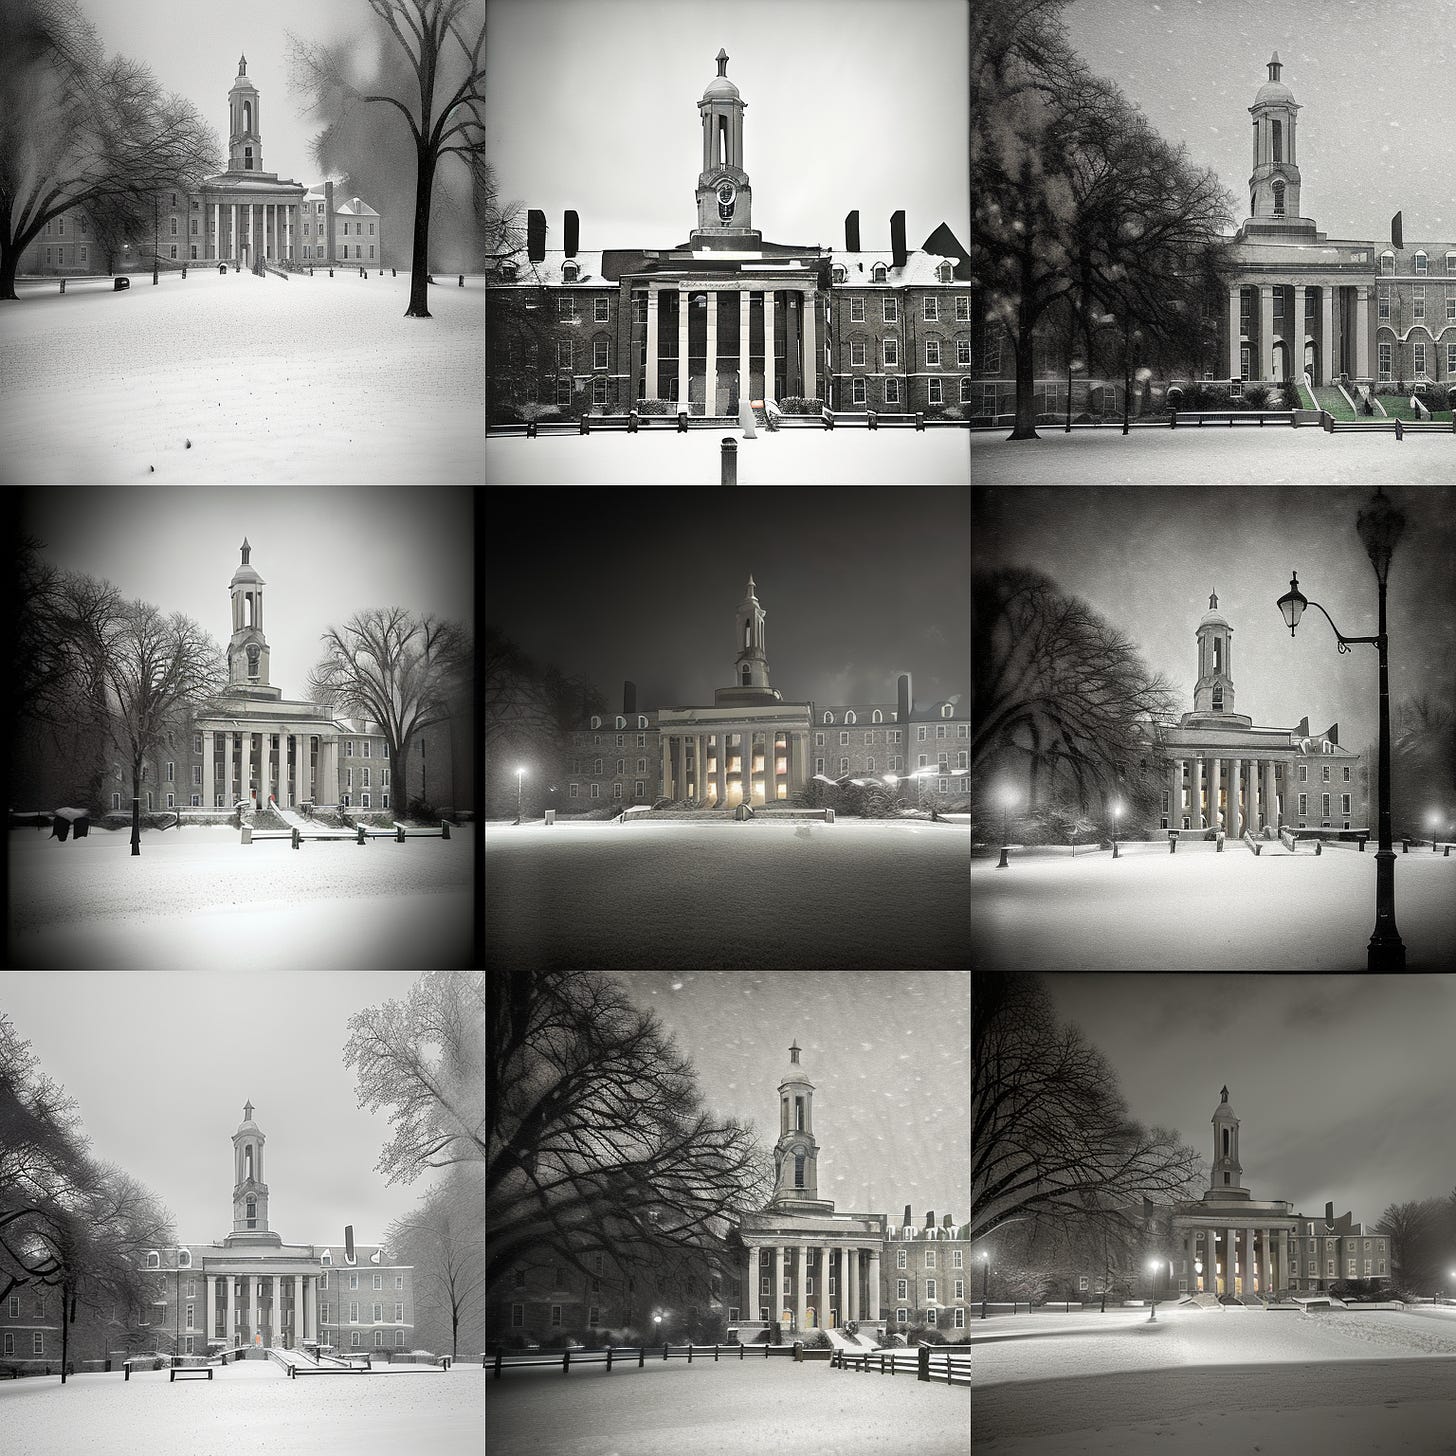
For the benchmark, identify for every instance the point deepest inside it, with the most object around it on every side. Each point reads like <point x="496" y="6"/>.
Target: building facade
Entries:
<point x="236" y="216"/>
<point x="752" y="746"/>
<point x="726" y="315"/>
<point x="248" y="1288"/>
<point x="1227" y="1243"/>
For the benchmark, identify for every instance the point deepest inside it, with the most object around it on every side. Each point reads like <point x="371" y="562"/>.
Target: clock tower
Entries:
<point x="725" y="200"/>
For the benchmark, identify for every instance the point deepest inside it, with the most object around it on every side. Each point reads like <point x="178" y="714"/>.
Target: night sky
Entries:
<point x="1341" y="1083"/>
<point x="1147" y="559"/>
<point x="858" y="586"/>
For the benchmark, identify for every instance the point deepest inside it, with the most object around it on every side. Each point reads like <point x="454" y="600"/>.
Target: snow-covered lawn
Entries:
<point x="723" y="1409"/>
<point x="783" y="457"/>
<point x="793" y="895"/>
<point x="319" y="381"/>
<point x="1200" y="910"/>
<point x="199" y="897"/>
<point x="1205" y="1383"/>
<point x="251" y="1407"/>
<point x="1211" y="456"/>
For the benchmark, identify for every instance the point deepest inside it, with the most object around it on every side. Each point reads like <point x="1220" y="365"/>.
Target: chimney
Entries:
<point x="904" y="704"/>
<point x="851" y="231"/>
<point x="1334" y="734"/>
<point x="945" y="1223"/>
<point x="535" y="235"/>
<point x="1329" y="1213"/>
<point x="906" y="1224"/>
<point x="629" y="697"/>
<point x="897" y="237"/>
<point x="572" y="232"/>
<point x="930" y="1221"/>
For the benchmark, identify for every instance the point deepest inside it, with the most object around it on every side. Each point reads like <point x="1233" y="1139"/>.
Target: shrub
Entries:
<point x="798" y="405"/>
<point x="1438" y="397"/>
<point x="1256" y="396"/>
<point x="1290" y="391"/>
<point x="421" y="809"/>
<point x="1175" y="396"/>
<point x="654" y="406"/>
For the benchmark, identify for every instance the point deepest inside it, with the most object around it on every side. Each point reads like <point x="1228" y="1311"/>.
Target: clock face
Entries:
<point x="726" y="196"/>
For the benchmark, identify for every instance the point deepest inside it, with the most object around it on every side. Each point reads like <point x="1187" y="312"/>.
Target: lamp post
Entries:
<point x="1116" y="810"/>
<point x="985" y="1279"/>
<point x="1434" y="820"/>
<point x="1154" y="1266"/>
<point x="520" y="776"/>
<point x="1379" y="526"/>
<point x="1008" y="798"/>
<point x="1198" y="1273"/>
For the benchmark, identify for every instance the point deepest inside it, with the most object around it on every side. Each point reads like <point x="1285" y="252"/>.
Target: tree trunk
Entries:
<point x="1025" y="427"/>
<point x="454" y="1331"/>
<point x="65" y="1330"/>
<point x="420" y="263"/>
<point x="136" y="808"/>
<point x="9" y="262"/>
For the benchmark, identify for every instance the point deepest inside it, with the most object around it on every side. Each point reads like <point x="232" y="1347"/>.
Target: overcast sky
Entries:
<point x="323" y="554"/>
<point x="162" y="1062"/>
<point x="1341" y="1084"/>
<point x="888" y="1053"/>
<point x="1147" y="559"/>
<point x="1369" y="75"/>
<point x="857" y="587"/>
<point x="196" y="55"/>
<point x="592" y="105"/>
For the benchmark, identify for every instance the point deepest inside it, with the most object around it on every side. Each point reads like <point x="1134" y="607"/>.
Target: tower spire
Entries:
<point x="796" y="1154"/>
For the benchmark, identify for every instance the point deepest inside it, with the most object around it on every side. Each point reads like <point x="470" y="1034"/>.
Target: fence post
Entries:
<point x="566" y="1362"/>
<point x="947" y="1367"/>
<point x="295" y="836"/>
<point x="923" y="1359"/>
<point x="729" y="466"/>
<point x="609" y="1359"/>
<point x="359" y="830"/>
<point x="444" y="829"/>
<point x="690" y="1352"/>
<point x="399" y="833"/>
<point x="715" y="1352"/>
<point x="641" y="1355"/>
<point x="497" y="1364"/>
<point x="664" y="1351"/>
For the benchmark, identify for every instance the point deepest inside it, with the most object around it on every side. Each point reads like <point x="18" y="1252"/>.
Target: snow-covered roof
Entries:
<point x="354" y="207"/>
<point x="919" y="270"/>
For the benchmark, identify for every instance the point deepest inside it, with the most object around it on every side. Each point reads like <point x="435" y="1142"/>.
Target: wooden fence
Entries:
<point x="566" y="1360"/>
<point x="928" y="1363"/>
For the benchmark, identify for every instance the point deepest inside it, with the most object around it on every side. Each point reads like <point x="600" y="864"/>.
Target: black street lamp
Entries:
<point x="1379" y="526"/>
<point x="985" y="1280"/>
<point x="520" y="775"/>
<point x="1008" y="797"/>
<point x="1155" y="1266"/>
<point x="1116" y="810"/>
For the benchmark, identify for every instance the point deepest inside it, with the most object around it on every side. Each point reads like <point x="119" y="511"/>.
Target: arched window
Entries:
<point x="877" y="273"/>
<point x="943" y="272"/>
<point x="849" y="716"/>
<point x="247" y="116"/>
<point x="838" y="272"/>
<point x="326" y="1257"/>
<point x="1422" y="262"/>
<point x="1387" y="261"/>
<point x="154" y="1259"/>
<point x="184" y="1258"/>
<point x="1278" y="199"/>
<point x="745" y="674"/>
<point x="747" y="635"/>
<point x="569" y="270"/>
<point x="799" y="1161"/>
<point x="946" y="710"/>
<point x="829" y="717"/>
<point x="877" y="716"/>
<point x="596" y="722"/>
<point x="641" y="720"/>
<point x="1278" y="141"/>
<point x="248" y="1161"/>
<point x="621" y="722"/>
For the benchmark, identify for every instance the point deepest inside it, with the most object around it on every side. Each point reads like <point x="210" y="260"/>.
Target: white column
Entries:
<point x="651" y="390"/>
<point x="207" y="790"/>
<point x="874" y="1290"/>
<point x="1328" y="371"/>
<point x="233" y="235"/>
<point x="1235" y="330"/>
<point x="216" y="231"/>
<point x="745" y="372"/>
<point x="1296" y="359"/>
<point x="682" y="350"/>
<point x="801" y="1272"/>
<point x="811" y="353"/>
<point x="1266" y="331"/>
<point x="305" y="770"/>
<point x="663" y="742"/>
<point x="1271" y="795"/>
<point x="776" y="1307"/>
<point x="710" y="372"/>
<point x="209" y="1289"/>
<point x="1215" y="772"/>
<point x="265" y="766"/>
<point x="1364" y="365"/>
<point x="750" y="1312"/>
<point x="1175" y="793"/>
<point x="227" y="770"/>
<point x="1196" y="784"/>
<point x="273" y="1317"/>
<point x="851" y="1278"/>
<point x="1236" y="818"/>
<point x="768" y="344"/>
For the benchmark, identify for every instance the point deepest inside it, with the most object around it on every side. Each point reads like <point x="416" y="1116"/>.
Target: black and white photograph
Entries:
<point x="1212" y="1213"/>
<point x="243" y="245"/>
<point x="717" y="1201"/>
<point x="1211" y="240"/>
<point x="241" y="730"/>
<point x="1214" y="729"/>
<point x="718" y="738"/>
<point x="220" y="1192"/>
<point x="728" y="243"/>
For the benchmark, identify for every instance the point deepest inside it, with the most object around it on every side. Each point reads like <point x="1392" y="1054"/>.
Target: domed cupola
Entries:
<point x="724" y="197"/>
<point x="1274" y="183"/>
<point x="1214" y="692"/>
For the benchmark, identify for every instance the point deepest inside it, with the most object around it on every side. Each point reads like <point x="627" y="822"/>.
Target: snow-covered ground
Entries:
<point x="796" y="895"/>
<point x="1200" y="910"/>
<point x="249" y="1408"/>
<point x="199" y="897"/>
<point x="1211" y="456"/>
<point x="1213" y="1382"/>
<point x="723" y="1409"/>
<point x="782" y="457"/>
<point x="318" y="381"/>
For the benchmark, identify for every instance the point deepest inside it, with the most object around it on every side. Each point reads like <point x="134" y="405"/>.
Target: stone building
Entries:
<point x="234" y="216"/>
<point x="751" y="744"/>
<point x="248" y="1288"/>
<point x="725" y="314"/>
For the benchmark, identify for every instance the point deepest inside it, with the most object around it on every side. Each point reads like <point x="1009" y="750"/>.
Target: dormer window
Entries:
<point x="943" y="272"/>
<point x="621" y="722"/>
<point x="849" y="717"/>
<point x="569" y="271"/>
<point x="184" y="1258"/>
<point x="829" y="717"/>
<point x="641" y="720"/>
<point x="946" y="710"/>
<point x="877" y="273"/>
<point x="838" y="272"/>
<point x="154" y="1259"/>
<point x="1387" y="262"/>
<point x="596" y="722"/>
<point x="1422" y="263"/>
<point x="508" y="268"/>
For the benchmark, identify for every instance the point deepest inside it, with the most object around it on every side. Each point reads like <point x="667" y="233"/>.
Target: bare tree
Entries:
<point x="444" y="1239"/>
<point x="79" y="129"/>
<point x="1417" y="1242"/>
<point x="157" y="669"/>
<point x="421" y="1057"/>
<point x="1050" y="1134"/>
<point x="404" y="672"/>
<point x="1057" y="691"/>
<point x="597" y="1138"/>
<point x="443" y="104"/>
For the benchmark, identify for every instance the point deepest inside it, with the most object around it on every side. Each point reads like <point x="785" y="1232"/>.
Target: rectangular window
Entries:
<point x="1384" y="362"/>
<point x="1330" y="1267"/>
<point x="1304" y="773"/>
<point x="892" y="391"/>
<point x="932" y="310"/>
<point x="1418" y="304"/>
<point x="1419" y="348"/>
<point x="955" y="1259"/>
<point x="930" y="1258"/>
<point x="930" y="1289"/>
<point x="932" y="353"/>
<point x="902" y="1289"/>
<point x="963" y="353"/>
<point x="892" y="353"/>
<point x="844" y="740"/>
<point x="14" y="1305"/>
<point x="856" y="353"/>
<point x="378" y="1278"/>
<point x="354" y="1280"/>
<point x="599" y="354"/>
<point x="1383" y="303"/>
<point x="1303" y="805"/>
<point x="937" y="392"/>
<point x="892" y="309"/>
<point x="819" y="765"/>
<point x="902" y="1316"/>
<point x="599" y="310"/>
<point x="37" y="1343"/>
<point x="1325" y="805"/>
<point x="377" y="1313"/>
<point x="354" y="1313"/>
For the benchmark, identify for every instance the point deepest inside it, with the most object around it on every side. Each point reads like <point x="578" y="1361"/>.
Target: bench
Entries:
<point x="827" y="815"/>
<point x="188" y="1371"/>
<point x="1231" y="417"/>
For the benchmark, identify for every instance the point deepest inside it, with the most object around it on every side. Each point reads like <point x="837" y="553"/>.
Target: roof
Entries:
<point x="1214" y="619"/>
<point x="356" y="208"/>
<point x="1272" y="91"/>
<point x="920" y="267"/>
